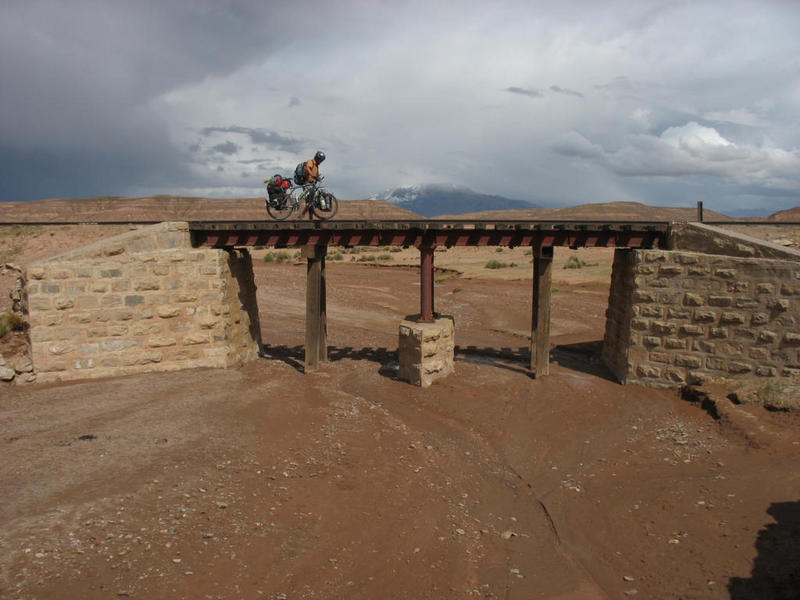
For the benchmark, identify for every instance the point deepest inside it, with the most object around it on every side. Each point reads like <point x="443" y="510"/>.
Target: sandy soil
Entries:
<point x="265" y="482"/>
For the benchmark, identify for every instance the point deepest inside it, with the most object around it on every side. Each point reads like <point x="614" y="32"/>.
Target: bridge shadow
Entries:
<point x="517" y="360"/>
<point x="776" y="568"/>
<point x="294" y="356"/>
<point x="584" y="357"/>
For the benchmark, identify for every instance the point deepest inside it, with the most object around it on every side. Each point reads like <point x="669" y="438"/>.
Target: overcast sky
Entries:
<point x="559" y="103"/>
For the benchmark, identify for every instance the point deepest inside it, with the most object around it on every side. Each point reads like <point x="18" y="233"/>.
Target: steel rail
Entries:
<point x="76" y="222"/>
<point x="282" y="224"/>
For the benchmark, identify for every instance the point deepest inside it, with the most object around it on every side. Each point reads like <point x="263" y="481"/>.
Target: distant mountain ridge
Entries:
<point x="432" y="200"/>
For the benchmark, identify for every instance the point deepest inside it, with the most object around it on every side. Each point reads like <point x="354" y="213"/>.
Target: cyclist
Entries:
<point x="311" y="172"/>
<point x="311" y="168"/>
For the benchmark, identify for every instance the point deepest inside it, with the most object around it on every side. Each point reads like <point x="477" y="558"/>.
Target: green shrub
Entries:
<point x="336" y="256"/>
<point x="495" y="264"/>
<point x="367" y="258"/>
<point x="396" y="249"/>
<point x="10" y="321"/>
<point x="280" y="257"/>
<point x="499" y="249"/>
<point x="574" y="262"/>
<point x="385" y="257"/>
<point x="528" y="251"/>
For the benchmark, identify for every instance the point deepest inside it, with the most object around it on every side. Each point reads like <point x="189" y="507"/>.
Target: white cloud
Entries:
<point x="694" y="138"/>
<point x="690" y="150"/>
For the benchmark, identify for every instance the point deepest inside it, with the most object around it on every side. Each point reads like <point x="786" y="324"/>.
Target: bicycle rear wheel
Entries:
<point x="331" y="204"/>
<point x="280" y="210"/>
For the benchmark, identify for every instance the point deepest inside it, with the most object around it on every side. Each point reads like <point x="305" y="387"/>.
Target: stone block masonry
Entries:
<point x="426" y="350"/>
<point x="143" y="301"/>
<point x="679" y="317"/>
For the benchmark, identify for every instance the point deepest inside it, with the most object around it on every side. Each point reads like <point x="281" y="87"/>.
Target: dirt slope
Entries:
<point x="173" y="208"/>
<point x="264" y="482"/>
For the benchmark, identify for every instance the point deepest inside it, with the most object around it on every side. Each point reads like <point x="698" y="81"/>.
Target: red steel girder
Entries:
<point x="644" y="235"/>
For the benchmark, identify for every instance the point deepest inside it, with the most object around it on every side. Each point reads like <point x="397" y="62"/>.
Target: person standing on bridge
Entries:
<point x="310" y="173"/>
<point x="311" y="168"/>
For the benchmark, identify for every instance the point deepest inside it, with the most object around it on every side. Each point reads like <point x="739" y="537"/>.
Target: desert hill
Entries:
<point x="177" y="208"/>
<point x="790" y="214"/>
<point x="610" y="211"/>
<point x="174" y="208"/>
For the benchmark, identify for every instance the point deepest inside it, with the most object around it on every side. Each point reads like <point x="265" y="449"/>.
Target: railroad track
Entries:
<point x="427" y="223"/>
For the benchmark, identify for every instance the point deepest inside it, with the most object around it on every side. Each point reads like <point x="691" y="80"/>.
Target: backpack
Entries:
<point x="276" y="186"/>
<point x="300" y="173"/>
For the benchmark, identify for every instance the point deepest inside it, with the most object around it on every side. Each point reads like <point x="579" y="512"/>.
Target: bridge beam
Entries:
<point x="426" y="313"/>
<point x="316" y="312"/>
<point x="540" y="319"/>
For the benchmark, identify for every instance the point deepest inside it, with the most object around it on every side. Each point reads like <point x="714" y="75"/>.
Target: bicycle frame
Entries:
<point x="315" y="200"/>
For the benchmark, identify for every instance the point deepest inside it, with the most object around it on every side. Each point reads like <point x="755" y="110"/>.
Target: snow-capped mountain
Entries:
<point x="431" y="200"/>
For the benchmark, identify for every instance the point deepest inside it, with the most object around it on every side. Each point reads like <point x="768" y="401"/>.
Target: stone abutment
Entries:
<point x="140" y="302"/>
<point x="715" y="305"/>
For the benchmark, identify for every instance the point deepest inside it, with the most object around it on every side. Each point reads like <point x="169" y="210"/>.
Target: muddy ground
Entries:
<point x="265" y="482"/>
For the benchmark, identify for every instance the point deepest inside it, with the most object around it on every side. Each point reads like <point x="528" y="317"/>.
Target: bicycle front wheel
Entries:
<point x="331" y="204"/>
<point x="280" y="210"/>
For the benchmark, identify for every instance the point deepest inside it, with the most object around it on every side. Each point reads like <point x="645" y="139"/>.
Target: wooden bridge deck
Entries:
<point x="419" y="233"/>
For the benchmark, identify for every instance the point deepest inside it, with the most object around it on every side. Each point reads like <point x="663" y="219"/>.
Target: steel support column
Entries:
<point x="540" y="321"/>
<point x="316" y="316"/>
<point x="426" y="314"/>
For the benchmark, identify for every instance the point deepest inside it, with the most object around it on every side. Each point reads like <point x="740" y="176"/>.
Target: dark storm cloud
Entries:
<point x="560" y="90"/>
<point x="79" y="78"/>
<point x="530" y="92"/>
<point x="263" y="137"/>
<point x="252" y="161"/>
<point x="39" y="173"/>
<point x="226" y="148"/>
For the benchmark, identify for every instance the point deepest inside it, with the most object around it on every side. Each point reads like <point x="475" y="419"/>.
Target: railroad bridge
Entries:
<point x="688" y="301"/>
<point x="427" y="235"/>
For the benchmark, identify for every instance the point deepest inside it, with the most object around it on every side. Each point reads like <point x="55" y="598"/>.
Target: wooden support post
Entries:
<point x="316" y="317"/>
<point x="426" y="314"/>
<point x="540" y="322"/>
<point x="699" y="211"/>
